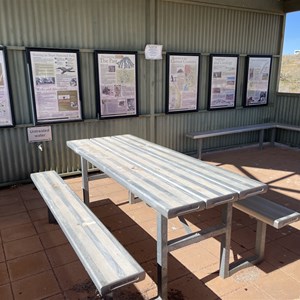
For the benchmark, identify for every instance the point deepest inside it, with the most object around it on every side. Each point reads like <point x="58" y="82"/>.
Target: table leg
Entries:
<point x="225" y="242"/>
<point x="85" y="181"/>
<point x="162" y="257"/>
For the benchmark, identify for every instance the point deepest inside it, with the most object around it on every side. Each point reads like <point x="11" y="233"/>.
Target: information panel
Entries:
<point x="258" y="80"/>
<point x="223" y="78"/>
<point x="182" y="82"/>
<point x="6" y="114"/>
<point x="55" y="84"/>
<point x="116" y="84"/>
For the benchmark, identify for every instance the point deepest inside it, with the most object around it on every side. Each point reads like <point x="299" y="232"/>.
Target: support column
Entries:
<point x="85" y="181"/>
<point x="261" y="138"/>
<point x="199" y="149"/>
<point x="162" y="257"/>
<point x="226" y="241"/>
<point x="261" y="230"/>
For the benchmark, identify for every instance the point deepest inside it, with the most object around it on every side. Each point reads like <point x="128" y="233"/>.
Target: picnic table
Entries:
<point x="173" y="184"/>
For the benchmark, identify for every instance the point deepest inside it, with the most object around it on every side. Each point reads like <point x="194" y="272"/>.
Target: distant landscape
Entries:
<point x="290" y="74"/>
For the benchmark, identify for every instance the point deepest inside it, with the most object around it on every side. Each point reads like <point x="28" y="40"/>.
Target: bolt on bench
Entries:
<point x="200" y="135"/>
<point x="266" y="213"/>
<point x="108" y="264"/>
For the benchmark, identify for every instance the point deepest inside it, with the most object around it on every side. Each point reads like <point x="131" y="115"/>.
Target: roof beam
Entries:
<point x="291" y="6"/>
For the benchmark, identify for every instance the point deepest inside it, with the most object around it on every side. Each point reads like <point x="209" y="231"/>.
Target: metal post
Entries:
<point x="225" y="241"/>
<point x="261" y="138"/>
<point x="162" y="257"/>
<point x="273" y="136"/>
<point x="199" y="150"/>
<point x="85" y="181"/>
<point x="51" y="218"/>
<point x="261" y="229"/>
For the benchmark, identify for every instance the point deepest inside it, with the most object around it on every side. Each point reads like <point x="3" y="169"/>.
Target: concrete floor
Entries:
<point x="37" y="262"/>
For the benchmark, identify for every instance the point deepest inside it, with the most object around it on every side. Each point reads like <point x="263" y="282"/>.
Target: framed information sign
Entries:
<point x="222" y="81"/>
<point x="116" y="75"/>
<point x="258" y="80"/>
<point x="55" y="84"/>
<point x="182" y="82"/>
<point x="6" y="113"/>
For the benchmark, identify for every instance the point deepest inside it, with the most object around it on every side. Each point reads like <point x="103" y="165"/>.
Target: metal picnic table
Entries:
<point x="173" y="184"/>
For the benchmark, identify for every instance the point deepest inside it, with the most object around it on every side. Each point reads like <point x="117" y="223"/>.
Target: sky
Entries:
<point x="292" y="33"/>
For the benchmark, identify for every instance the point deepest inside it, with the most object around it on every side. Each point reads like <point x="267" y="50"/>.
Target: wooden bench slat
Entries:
<point x="106" y="261"/>
<point x="267" y="211"/>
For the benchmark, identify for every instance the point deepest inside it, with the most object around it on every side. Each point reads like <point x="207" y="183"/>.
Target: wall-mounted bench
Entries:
<point x="200" y="135"/>
<point x="108" y="264"/>
<point x="266" y="213"/>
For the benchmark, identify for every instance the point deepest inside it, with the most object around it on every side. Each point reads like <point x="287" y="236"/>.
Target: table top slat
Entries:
<point x="170" y="182"/>
<point x="241" y="184"/>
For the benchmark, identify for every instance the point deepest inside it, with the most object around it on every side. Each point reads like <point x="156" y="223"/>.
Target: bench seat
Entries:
<point x="266" y="213"/>
<point x="108" y="264"/>
<point x="200" y="135"/>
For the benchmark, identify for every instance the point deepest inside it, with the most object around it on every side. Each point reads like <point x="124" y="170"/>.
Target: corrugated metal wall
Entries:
<point x="288" y="112"/>
<point x="129" y="25"/>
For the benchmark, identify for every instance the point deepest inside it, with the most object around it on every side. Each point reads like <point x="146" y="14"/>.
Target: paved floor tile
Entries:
<point x="245" y="237"/>
<point x="2" y="258"/>
<point x="34" y="203"/>
<point x="291" y="242"/>
<point x="61" y="255"/>
<point x="14" y="220"/>
<point x="28" y="265"/>
<point x="280" y="286"/>
<point x="4" y="278"/>
<point x="39" y="286"/>
<point x="6" y="292"/>
<point x="53" y="238"/>
<point x="70" y="275"/>
<point x="12" y="209"/>
<point x="38" y="214"/>
<point x="22" y="247"/>
<point x="190" y="287"/>
<point x="38" y="263"/>
<point x="43" y="225"/>
<point x="247" y="293"/>
<point x="57" y="297"/>
<point x="18" y="232"/>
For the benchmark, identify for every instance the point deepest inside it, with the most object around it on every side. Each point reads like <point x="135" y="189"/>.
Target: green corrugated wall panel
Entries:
<point x="73" y="23"/>
<point x="130" y="25"/>
<point x="288" y="112"/>
<point x="198" y="28"/>
<point x="18" y="158"/>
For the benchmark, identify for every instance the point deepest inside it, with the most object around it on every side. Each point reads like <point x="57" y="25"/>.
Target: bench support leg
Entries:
<point x="273" y="136"/>
<point x="225" y="242"/>
<point x="261" y="229"/>
<point x="108" y="296"/>
<point x="51" y="218"/>
<point x="199" y="149"/>
<point x="162" y="257"/>
<point x="85" y="181"/>
<point x="132" y="199"/>
<point x="261" y="138"/>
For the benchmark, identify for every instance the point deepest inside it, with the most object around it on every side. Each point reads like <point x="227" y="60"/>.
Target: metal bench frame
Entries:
<point x="200" y="135"/>
<point x="266" y="213"/>
<point x="107" y="262"/>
